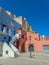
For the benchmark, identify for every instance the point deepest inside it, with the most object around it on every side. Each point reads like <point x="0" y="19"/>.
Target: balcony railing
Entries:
<point x="2" y="33"/>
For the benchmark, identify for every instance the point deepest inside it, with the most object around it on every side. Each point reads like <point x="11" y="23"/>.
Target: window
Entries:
<point x="4" y="37"/>
<point x="23" y="36"/>
<point x="35" y="38"/>
<point x="30" y="37"/>
<point x="6" y="51"/>
<point x="4" y="28"/>
<point x="26" y="38"/>
<point x="14" y="32"/>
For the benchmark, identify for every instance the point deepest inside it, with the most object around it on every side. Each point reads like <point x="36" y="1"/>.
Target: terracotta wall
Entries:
<point x="34" y="39"/>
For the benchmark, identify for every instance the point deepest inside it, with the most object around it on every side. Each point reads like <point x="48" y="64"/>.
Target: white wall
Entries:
<point x="18" y="19"/>
<point x="15" y="49"/>
<point x="10" y="51"/>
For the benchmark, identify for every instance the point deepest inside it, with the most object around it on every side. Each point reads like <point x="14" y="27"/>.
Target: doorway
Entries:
<point x="23" y="48"/>
<point x="1" y="48"/>
<point x="31" y="48"/>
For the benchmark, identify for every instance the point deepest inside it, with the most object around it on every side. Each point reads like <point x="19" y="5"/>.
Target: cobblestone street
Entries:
<point x="24" y="59"/>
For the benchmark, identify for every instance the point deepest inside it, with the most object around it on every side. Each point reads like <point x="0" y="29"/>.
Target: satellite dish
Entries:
<point x="43" y="36"/>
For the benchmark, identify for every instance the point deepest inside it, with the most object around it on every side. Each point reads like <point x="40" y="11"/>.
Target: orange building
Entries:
<point x="32" y="41"/>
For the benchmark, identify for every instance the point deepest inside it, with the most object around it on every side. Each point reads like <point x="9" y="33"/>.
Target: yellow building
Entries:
<point x="24" y="23"/>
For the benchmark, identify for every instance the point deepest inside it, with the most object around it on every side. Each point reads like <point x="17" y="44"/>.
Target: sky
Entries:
<point x="35" y="11"/>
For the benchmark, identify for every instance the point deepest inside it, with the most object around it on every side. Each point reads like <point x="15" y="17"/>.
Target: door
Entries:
<point x="23" y="48"/>
<point x="31" y="48"/>
<point x="1" y="49"/>
<point x="46" y="48"/>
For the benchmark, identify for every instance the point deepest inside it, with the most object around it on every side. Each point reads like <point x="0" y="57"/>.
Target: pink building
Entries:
<point x="32" y="41"/>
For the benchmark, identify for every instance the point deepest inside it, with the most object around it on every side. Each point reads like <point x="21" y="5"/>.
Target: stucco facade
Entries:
<point x="11" y="25"/>
<point x="29" y="38"/>
<point x="8" y="26"/>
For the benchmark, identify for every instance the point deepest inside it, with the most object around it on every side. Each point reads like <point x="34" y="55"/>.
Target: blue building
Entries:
<point x="8" y="26"/>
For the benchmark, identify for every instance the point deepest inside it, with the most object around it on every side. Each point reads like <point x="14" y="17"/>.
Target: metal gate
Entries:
<point x="46" y="48"/>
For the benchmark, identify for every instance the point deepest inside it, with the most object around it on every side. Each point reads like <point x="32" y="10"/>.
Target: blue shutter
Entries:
<point x="0" y="26"/>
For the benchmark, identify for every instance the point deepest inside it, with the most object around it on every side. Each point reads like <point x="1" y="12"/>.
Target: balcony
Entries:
<point x="4" y="34"/>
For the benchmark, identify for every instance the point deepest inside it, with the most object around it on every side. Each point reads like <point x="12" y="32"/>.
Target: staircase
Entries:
<point x="10" y="50"/>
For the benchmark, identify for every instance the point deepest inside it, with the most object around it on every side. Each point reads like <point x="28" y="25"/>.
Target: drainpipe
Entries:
<point x="30" y="50"/>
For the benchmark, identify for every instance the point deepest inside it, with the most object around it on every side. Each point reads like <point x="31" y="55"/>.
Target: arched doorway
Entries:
<point x="23" y="48"/>
<point x="31" y="48"/>
<point x="17" y="44"/>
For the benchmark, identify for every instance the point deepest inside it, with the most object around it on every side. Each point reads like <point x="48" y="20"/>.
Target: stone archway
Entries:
<point x="23" y="48"/>
<point x="31" y="48"/>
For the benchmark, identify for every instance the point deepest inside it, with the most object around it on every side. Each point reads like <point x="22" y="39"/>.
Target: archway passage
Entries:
<point x="17" y="44"/>
<point x="23" y="47"/>
<point x="31" y="48"/>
